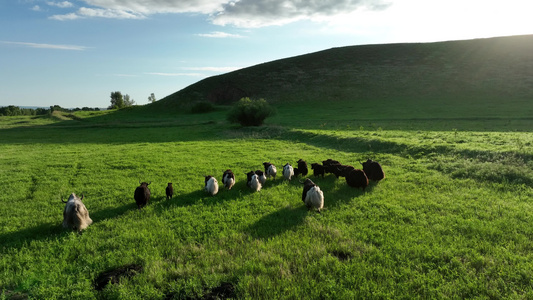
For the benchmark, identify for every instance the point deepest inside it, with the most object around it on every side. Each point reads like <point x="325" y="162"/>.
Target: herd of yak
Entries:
<point x="76" y="216"/>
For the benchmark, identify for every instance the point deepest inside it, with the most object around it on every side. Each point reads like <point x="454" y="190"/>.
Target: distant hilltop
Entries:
<point x="48" y="107"/>
<point x="13" y="110"/>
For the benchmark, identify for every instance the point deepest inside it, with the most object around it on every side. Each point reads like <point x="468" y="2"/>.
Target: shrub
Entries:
<point x="249" y="112"/>
<point x="202" y="107"/>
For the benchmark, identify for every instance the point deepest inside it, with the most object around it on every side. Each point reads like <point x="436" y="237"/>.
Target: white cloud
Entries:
<point x="85" y="12"/>
<point x="240" y="13"/>
<point x="109" y="13"/>
<point x="219" y="34"/>
<point x="71" y="16"/>
<point x="36" y="8"/>
<point x="46" y="46"/>
<point x="253" y="13"/>
<point x="161" y="6"/>
<point x="64" y="4"/>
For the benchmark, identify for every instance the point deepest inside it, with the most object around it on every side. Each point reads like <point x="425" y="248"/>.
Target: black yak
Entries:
<point x="169" y="191"/>
<point x="318" y="169"/>
<point x="373" y="170"/>
<point x="330" y="166"/>
<point x="142" y="194"/>
<point x="357" y="178"/>
<point x="302" y="168"/>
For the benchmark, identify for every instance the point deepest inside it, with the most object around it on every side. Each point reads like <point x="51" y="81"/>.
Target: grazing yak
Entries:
<point x="261" y="176"/>
<point x="357" y="178"/>
<point x="312" y="196"/>
<point x="373" y="170"/>
<point x="342" y="170"/>
<point x="75" y="215"/>
<point x="211" y="185"/>
<point x="318" y="169"/>
<point x="169" y="191"/>
<point x="270" y="170"/>
<point x="330" y="166"/>
<point x="252" y="181"/>
<point x="288" y="171"/>
<point x="302" y="168"/>
<point x="228" y="179"/>
<point x="142" y="194"/>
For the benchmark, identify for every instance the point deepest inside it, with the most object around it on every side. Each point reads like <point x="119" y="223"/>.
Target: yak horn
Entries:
<point x="63" y="201"/>
<point x="82" y="196"/>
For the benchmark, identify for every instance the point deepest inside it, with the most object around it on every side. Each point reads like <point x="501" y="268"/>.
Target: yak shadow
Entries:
<point x="239" y="190"/>
<point x="17" y="239"/>
<point x="277" y="222"/>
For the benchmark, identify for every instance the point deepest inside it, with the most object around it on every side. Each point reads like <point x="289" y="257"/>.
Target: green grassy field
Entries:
<point x="453" y="218"/>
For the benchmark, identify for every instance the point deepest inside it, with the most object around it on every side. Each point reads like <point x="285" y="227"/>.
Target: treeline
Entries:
<point x="13" y="110"/>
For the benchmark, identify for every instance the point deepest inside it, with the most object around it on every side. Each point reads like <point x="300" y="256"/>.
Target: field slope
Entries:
<point x="458" y="73"/>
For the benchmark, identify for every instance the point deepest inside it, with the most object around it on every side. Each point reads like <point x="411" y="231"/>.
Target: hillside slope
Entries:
<point x="499" y="67"/>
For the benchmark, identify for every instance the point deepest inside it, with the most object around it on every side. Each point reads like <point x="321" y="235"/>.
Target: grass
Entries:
<point x="451" y="220"/>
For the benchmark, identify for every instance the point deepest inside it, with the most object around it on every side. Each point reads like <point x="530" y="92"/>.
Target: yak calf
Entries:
<point x="169" y="191"/>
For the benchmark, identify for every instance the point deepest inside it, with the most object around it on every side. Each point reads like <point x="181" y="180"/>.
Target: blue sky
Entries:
<point x="75" y="53"/>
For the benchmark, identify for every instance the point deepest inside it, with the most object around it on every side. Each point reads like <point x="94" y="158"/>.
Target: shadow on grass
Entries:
<point x="200" y="196"/>
<point x="46" y="231"/>
<point x="277" y="222"/>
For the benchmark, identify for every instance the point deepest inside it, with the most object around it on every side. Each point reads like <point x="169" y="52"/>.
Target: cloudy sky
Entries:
<point x="74" y="53"/>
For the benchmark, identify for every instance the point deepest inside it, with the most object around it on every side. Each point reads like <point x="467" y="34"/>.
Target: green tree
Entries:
<point x="117" y="101"/>
<point x="249" y="112"/>
<point x="128" y="101"/>
<point x="151" y="99"/>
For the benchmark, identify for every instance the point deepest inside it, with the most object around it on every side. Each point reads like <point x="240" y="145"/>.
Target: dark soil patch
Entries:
<point x="114" y="276"/>
<point x="14" y="295"/>
<point x="341" y="255"/>
<point x="226" y="290"/>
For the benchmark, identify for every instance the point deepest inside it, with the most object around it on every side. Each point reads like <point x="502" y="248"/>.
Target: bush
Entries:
<point x="202" y="107"/>
<point x="249" y="112"/>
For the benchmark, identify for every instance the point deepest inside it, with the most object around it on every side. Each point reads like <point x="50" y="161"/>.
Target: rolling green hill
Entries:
<point x="460" y="74"/>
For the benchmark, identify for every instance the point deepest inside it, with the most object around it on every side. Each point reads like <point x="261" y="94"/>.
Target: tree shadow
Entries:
<point x="365" y="145"/>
